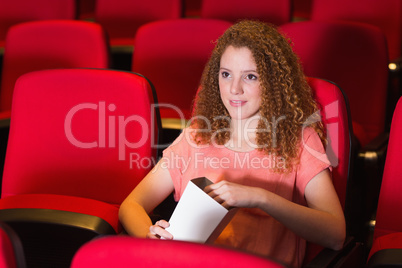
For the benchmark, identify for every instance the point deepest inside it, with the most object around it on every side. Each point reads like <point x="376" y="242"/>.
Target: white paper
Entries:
<point x="196" y="215"/>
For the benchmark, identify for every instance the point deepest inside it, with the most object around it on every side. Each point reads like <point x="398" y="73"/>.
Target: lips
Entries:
<point x="237" y="103"/>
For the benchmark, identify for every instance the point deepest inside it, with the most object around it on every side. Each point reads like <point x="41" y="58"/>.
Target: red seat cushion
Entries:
<point x="389" y="241"/>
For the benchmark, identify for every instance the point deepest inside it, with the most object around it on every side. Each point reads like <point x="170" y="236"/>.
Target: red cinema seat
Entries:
<point x="335" y="115"/>
<point x="49" y="44"/>
<point x="80" y="140"/>
<point x="173" y="54"/>
<point x="270" y="11"/>
<point x="386" y="250"/>
<point x="122" y="18"/>
<point x="124" y="251"/>
<point x="354" y="56"/>
<point x="387" y="15"/>
<point x="17" y="11"/>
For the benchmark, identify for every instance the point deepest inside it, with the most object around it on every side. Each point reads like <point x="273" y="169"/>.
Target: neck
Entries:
<point x="243" y="133"/>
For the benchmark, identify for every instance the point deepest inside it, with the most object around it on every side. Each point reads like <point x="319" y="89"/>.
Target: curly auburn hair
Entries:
<point x="285" y="93"/>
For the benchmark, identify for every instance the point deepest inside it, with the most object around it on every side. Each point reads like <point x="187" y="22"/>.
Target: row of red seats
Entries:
<point x="192" y="8"/>
<point x="385" y="15"/>
<point x="317" y="44"/>
<point x="122" y="18"/>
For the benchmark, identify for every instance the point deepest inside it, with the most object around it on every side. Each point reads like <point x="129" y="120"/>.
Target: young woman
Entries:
<point x="249" y="136"/>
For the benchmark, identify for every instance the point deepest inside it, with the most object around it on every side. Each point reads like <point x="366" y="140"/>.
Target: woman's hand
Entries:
<point x="157" y="231"/>
<point x="231" y="195"/>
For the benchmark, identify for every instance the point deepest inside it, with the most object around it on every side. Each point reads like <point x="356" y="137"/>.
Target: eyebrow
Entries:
<point x="245" y="71"/>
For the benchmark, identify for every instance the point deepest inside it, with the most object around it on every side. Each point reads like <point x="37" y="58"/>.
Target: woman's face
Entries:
<point x="239" y="83"/>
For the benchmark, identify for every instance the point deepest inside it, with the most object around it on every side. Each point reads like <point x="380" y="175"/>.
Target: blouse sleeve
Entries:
<point x="313" y="159"/>
<point x="174" y="158"/>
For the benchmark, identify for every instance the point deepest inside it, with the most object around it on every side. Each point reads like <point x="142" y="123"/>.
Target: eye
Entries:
<point x="225" y="74"/>
<point x="251" y="77"/>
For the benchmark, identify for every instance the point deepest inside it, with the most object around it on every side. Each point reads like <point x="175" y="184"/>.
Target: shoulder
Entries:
<point x="308" y="132"/>
<point x="310" y="136"/>
<point x="187" y="139"/>
<point x="312" y="147"/>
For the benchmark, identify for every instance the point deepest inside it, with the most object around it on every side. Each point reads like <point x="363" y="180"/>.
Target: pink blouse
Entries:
<point x="251" y="229"/>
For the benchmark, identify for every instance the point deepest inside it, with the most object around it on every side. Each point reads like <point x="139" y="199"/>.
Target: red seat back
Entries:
<point x="271" y="11"/>
<point x="386" y="15"/>
<point x="335" y="116"/>
<point x="173" y="54"/>
<point x="389" y="218"/>
<point x="80" y="132"/>
<point x="50" y="44"/>
<point x="142" y="253"/>
<point x="354" y="56"/>
<point x="17" y="11"/>
<point x="336" y="119"/>
<point x="122" y="18"/>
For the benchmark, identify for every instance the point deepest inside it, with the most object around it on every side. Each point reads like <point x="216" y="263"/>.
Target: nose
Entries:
<point x="236" y="87"/>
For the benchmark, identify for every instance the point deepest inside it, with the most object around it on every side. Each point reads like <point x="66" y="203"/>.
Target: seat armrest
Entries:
<point x="4" y="122"/>
<point x="336" y="258"/>
<point x="386" y="258"/>
<point x="49" y="237"/>
<point x="374" y="150"/>
<point x="5" y="119"/>
<point x="90" y="223"/>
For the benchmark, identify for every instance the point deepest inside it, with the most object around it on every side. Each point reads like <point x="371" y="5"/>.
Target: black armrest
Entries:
<point x="375" y="150"/>
<point x="386" y="258"/>
<point x="63" y="219"/>
<point x="5" y="123"/>
<point x="5" y="119"/>
<point x="49" y="237"/>
<point x="351" y="254"/>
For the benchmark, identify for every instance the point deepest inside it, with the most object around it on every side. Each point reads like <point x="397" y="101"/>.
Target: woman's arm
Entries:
<point x="322" y="222"/>
<point x="149" y="193"/>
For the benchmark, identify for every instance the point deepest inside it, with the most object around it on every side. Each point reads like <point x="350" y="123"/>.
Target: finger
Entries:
<point x="152" y="236"/>
<point x="156" y="231"/>
<point x="165" y="235"/>
<point x="208" y="189"/>
<point x="226" y="205"/>
<point x="213" y="186"/>
<point x="213" y="194"/>
<point x="219" y="199"/>
<point x="162" y="223"/>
